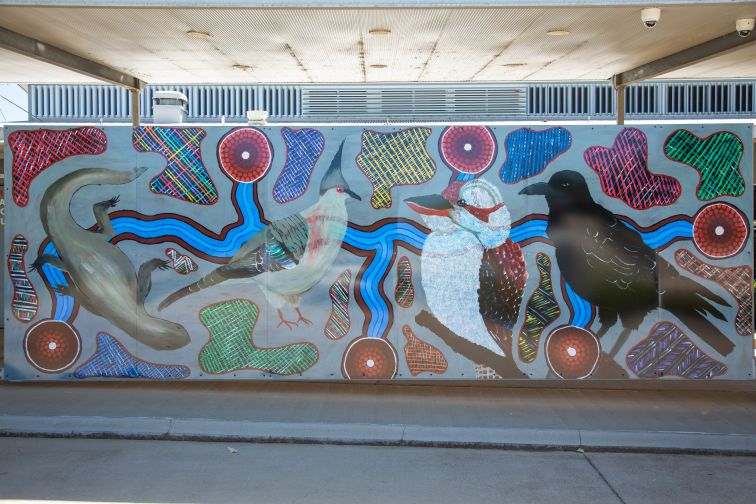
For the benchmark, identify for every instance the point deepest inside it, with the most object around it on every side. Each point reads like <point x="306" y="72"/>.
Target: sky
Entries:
<point x="13" y="103"/>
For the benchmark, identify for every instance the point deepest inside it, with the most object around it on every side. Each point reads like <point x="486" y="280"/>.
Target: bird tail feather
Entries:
<point x="690" y="302"/>
<point x="209" y="280"/>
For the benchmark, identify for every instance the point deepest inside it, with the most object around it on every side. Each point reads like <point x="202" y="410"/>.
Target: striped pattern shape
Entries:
<point x="624" y="174"/>
<point x="404" y="294"/>
<point x="25" y="303"/>
<point x="668" y="351"/>
<point x="338" y="323"/>
<point x="36" y="150"/>
<point x="422" y="357"/>
<point x="394" y="159"/>
<point x="716" y="158"/>
<point x="736" y="280"/>
<point x="112" y="360"/>
<point x="542" y="309"/>
<point x="181" y="263"/>
<point x="185" y="176"/>
<point x="231" y="346"/>
<point x="529" y="152"/>
<point x="303" y="149"/>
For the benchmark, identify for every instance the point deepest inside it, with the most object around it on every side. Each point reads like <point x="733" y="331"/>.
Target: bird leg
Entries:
<point x="288" y="323"/>
<point x="621" y="339"/>
<point x="302" y="318"/>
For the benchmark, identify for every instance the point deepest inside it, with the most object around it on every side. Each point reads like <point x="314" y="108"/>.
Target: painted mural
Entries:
<point x="422" y="252"/>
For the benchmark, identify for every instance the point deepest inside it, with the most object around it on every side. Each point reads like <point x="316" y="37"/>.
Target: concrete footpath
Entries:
<point x="676" y="419"/>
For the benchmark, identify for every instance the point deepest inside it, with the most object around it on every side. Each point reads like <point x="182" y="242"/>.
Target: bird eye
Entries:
<point x="461" y="202"/>
<point x="339" y="189"/>
<point x="566" y="184"/>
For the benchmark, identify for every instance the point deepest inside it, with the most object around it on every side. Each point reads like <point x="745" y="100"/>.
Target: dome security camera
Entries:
<point x="744" y="27"/>
<point x="650" y="16"/>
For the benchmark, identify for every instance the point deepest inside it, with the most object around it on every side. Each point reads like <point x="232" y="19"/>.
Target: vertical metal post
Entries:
<point x="134" y="107"/>
<point x="620" y="101"/>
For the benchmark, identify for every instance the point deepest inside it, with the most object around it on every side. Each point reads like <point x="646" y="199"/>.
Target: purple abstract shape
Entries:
<point x="669" y="351"/>
<point x="303" y="149"/>
<point x="112" y="360"/>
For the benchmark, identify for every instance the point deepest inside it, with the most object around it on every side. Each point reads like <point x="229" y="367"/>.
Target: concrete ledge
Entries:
<point x="374" y="434"/>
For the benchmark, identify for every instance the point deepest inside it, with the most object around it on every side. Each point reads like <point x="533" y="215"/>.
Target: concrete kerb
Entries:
<point x="194" y="429"/>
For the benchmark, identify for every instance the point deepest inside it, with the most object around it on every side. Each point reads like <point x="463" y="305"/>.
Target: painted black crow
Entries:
<point x="608" y="264"/>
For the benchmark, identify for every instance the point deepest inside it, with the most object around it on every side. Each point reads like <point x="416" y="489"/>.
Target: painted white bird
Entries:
<point x="473" y="274"/>
<point x="289" y="256"/>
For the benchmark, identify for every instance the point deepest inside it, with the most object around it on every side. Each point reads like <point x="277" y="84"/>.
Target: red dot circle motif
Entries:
<point x="468" y="149"/>
<point x="245" y="154"/>
<point x="572" y="352"/>
<point x="720" y="230"/>
<point x="52" y="346"/>
<point x="369" y="358"/>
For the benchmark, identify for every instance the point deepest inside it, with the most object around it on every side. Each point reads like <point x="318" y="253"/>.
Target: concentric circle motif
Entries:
<point x="369" y="358"/>
<point x="52" y="346"/>
<point x="572" y="352"/>
<point x="720" y="230"/>
<point x="245" y="154"/>
<point x="468" y="149"/>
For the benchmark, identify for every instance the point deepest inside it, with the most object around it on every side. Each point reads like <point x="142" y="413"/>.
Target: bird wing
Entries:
<point x="615" y="254"/>
<point x="502" y="282"/>
<point x="278" y="246"/>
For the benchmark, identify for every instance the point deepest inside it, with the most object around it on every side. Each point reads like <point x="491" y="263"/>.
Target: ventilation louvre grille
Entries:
<point x="407" y="102"/>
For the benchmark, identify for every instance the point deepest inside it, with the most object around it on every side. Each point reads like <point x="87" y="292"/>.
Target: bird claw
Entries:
<point x="304" y="320"/>
<point x="114" y="200"/>
<point x="288" y="323"/>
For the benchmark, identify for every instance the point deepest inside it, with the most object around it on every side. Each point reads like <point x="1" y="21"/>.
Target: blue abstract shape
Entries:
<point x="112" y="360"/>
<point x="530" y="151"/>
<point x="303" y="149"/>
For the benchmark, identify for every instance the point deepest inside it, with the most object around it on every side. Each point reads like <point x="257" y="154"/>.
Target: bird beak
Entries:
<point x="433" y="204"/>
<point x="484" y="214"/>
<point x="352" y="194"/>
<point x="541" y="188"/>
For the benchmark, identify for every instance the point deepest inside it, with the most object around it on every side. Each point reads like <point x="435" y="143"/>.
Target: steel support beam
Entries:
<point x="686" y="57"/>
<point x="620" y="101"/>
<point x="134" y="107"/>
<point x="32" y="48"/>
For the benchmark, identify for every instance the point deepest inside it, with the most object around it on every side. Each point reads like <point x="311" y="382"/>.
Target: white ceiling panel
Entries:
<point x="334" y="45"/>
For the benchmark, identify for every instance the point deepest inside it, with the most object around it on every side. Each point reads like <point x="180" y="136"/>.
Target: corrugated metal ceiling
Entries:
<point x="334" y="45"/>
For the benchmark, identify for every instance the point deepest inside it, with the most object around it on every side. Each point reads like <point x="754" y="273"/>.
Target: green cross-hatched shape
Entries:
<point x="231" y="347"/>
<point x="716" y="159"/>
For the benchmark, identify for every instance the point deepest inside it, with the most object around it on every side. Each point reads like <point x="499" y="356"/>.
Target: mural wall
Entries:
<point x="459" y="252"/>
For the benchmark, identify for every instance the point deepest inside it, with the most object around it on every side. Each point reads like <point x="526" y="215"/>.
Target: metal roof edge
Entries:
<point x="346" y="4"/>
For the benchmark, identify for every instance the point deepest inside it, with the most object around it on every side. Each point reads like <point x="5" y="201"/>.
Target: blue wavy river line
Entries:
<point x="380" y="240"/>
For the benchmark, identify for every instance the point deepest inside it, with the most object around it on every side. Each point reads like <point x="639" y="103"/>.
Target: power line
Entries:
<point x="20" y="107"/>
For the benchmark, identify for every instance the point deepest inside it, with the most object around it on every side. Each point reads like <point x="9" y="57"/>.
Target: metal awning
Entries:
<point x="324" y="41"/>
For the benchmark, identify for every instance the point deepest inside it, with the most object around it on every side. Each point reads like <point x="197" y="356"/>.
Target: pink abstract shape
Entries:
<point x="36" y="150"/>
<point x="624" y="174"/>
